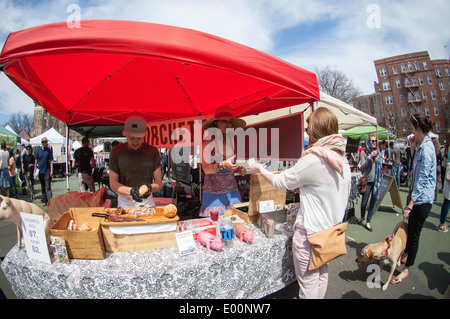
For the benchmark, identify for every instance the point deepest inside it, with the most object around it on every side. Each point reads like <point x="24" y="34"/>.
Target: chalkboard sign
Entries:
<point x="180" y="168"/>
<point x="352" y="145"/>
<point x="388" y="183"/>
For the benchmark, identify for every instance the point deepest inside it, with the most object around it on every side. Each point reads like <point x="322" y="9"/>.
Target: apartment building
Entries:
<point x="410" y="83"/>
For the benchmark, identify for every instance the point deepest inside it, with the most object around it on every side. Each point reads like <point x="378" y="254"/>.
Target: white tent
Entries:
<point x="348" y="116"/>
<point x="52" y="135"/>
<point x="98" y="148"/>
<point x="76" y="145"/>
<point x="56" y="141"/>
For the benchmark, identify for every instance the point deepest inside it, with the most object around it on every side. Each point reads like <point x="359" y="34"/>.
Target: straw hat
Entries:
<point x="222" y="113"/>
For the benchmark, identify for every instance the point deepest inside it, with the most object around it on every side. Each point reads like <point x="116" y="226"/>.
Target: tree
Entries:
<point x="335" y="82"/>
<point x="20" y="121"/>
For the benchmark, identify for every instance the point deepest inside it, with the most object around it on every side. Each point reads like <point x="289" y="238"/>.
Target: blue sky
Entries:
<point x="348" y="35"/>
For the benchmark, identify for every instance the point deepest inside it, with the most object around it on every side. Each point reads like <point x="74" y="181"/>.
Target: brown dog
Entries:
<point x="389" y="251"/>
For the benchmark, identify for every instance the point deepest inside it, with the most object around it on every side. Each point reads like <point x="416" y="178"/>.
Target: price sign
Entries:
<point x="266" y="206"/>
<point x="34" y="237"/>
<point x="186" y="243"/>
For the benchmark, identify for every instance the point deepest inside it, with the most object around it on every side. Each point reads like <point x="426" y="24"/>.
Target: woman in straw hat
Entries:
<point x="219" y="186"/>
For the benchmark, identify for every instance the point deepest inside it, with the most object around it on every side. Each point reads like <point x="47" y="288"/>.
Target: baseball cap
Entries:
<point x="135" y="126"/>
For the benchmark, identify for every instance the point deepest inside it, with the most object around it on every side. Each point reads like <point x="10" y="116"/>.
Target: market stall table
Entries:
<point x="241" y="271"/>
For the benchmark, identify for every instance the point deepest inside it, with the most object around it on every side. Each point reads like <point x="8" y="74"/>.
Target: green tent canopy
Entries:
<point x="361" y="132"/>
<point x="9" y="137"/>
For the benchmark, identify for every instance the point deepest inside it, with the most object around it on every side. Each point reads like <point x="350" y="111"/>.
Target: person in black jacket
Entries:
<point x="27" y="168"/>
<point x="83" y="159"/>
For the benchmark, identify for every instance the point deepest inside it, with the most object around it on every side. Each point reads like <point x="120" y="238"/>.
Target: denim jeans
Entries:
<point x="396" y="174"/>
<point x="12" y="181"/>
<point x="365" y="199"/>
<point x="444" y="211"/>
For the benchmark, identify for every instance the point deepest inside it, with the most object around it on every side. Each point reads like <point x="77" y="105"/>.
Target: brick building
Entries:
<point x="409" y="83"/>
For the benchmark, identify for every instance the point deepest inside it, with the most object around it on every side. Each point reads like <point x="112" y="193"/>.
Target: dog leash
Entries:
<point x="390" y="238"/>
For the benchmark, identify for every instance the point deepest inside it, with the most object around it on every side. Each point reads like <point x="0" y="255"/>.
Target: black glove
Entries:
<point x="134" y="192"/>
<point x="149" y="192"/>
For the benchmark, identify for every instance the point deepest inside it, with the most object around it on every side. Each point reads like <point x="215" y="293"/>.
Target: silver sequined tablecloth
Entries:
<point x="242" y="271"/>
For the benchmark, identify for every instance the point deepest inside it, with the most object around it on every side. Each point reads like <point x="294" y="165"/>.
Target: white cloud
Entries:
<point x="345" y="41"/>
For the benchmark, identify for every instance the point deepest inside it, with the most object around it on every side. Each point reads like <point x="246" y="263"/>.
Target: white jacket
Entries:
<point x="323" y="192"/>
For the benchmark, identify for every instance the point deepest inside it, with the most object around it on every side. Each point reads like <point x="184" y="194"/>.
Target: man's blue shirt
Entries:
<point x="43" y="158"/>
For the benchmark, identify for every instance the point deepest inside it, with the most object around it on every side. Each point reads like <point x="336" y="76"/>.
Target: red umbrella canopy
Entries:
<point x="107" y="70"/>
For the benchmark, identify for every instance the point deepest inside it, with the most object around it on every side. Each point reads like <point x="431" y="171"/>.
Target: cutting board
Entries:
<point x="157" y="218"/>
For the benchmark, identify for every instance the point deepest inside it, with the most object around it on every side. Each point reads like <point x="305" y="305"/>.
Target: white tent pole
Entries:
<point x="67" y="157"/>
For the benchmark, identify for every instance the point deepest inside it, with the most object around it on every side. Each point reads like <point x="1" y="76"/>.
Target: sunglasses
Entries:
<point x="373" y="141"/>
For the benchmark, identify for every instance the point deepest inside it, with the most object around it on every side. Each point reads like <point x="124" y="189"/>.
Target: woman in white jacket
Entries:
<point x="323" y="178"/>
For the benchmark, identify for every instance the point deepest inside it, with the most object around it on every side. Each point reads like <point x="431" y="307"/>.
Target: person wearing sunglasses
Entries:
<point x="371" y="165"/>
<point x="421" y="193"/>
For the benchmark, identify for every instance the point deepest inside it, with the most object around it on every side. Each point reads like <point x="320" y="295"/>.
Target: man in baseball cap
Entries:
<point x="134" y="164"/>
<point x="135" y="126"/>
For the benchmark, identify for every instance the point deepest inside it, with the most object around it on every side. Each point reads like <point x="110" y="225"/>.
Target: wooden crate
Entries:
<point x="132" y="242"/>
<point x="81" y="244"/>
<point x="260" y="190"/>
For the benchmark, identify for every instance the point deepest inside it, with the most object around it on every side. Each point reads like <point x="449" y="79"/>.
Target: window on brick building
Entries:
<point x="420" y="80"/>
<point x="430" y="81"/>
<point x="386" y="85"/>
<point x="417" y="66"/>
<point x="427" y="111"/>
<point x="383" y="72"/>
<point x="399" y="83"/>
<point x="433" y="94"/>
<point x="389" y="99"/>
<point x="436" y="110"/>
<point x="394" y="69"/>
<point x="425" y="65"/>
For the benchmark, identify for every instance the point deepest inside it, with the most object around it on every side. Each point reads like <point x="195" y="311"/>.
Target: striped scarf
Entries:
<point x="332" y="149"/>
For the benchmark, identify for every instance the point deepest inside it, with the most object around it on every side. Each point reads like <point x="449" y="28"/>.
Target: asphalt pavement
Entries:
<point x="429" y="278"/>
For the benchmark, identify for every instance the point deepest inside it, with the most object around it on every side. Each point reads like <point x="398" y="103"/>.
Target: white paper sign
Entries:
<point x="186" y="243"/>
<point x="34" y="237"/>
<point x="266" y="206"/>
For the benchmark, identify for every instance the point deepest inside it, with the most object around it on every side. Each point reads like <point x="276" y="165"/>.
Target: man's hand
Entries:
<point x="148" y="193"/>
<point x="134" y="192"/>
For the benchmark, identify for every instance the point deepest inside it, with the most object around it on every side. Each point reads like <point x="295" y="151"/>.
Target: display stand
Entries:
<point x="388" y="183"/>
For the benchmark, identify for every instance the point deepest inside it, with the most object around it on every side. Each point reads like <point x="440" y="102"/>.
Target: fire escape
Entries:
<point x="414" y="98"/>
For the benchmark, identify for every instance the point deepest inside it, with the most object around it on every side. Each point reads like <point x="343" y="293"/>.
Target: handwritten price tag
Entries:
<point x="34" y="237"/>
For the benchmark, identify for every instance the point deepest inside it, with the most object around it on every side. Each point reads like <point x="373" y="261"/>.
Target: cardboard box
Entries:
<point x="81" y="244"/>
<point x="260" y="190"/>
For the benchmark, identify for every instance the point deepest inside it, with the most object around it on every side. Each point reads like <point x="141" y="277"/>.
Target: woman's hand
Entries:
<point x="242" y="170"/>
<point x="406" y="212"/>
<point x="255" y="168"/>
<point x="227" y="164"/>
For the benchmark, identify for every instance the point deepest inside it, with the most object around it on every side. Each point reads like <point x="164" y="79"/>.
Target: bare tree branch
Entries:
<point x="336" y="83"/>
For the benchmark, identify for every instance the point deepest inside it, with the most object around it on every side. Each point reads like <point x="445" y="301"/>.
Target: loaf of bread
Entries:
<point x="170" y="211"/>
<point x="85" y="227"/>
<point x="143" y="190"/>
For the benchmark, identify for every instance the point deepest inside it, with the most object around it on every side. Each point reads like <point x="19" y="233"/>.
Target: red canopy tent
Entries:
<point x="106" y="70"/>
